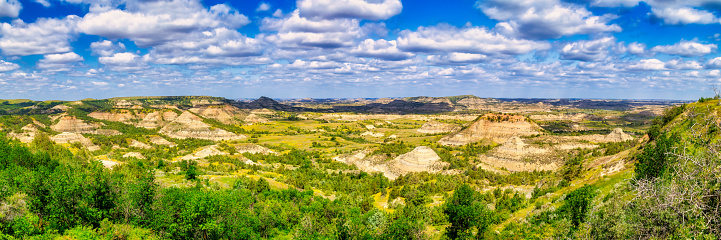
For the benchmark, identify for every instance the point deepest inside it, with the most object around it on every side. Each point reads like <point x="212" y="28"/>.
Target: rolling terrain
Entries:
<point x="360" y="168"/>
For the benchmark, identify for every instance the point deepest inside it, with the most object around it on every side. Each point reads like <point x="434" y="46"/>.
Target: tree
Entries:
<point x="577" y="204"/>
<point x="654" y="159"/>
<point x="465" y="212"/>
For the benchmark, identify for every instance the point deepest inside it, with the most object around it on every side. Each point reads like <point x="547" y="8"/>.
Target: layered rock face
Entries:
<point x="225" y="114"/>
<point x="134" y="154"/>
<point x="252" y="118"/>
<point x="138" y="144"/>
<point x="73" y="125"/>
<point x="433" y="127"/>
<point x="157" y="119"/>
<point x="161" y="141"/>
<point x="27" y="135"/>
<point x="253" y="149"/>
<point x="617" y="135"/>
<point x="123" y="116"/>
<point x="68" y="137"/>
<point x="421" y="159"/>
<point x="187" y="125"/>
<point x="204" y="152"/>
<point x="494" y="127"/>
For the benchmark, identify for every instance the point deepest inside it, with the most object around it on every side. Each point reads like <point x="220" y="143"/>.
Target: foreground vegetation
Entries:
<point x="667" y="188"/>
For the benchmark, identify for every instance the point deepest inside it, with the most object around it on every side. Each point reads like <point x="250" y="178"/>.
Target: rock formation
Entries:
<point x="73" y="125"/>
<point x="495" y="127"/>
<point x="161" y="141"/>
<point x="68" y="137"/>
<point x="433" y="127"/>
<point x="421" y="159"/>
<point x="253" y="149"/>
<point x="225" y="113"/>
<point x="134" y="154"/>
<point x="124" y="116"/>
<point x="157" y="119"/>
<point x="252" y="118"/>
<point x="138" y="144"/>
<point x="617" y="135"/>
<point x="187" y="125"/>
<point x="204" y="152"/>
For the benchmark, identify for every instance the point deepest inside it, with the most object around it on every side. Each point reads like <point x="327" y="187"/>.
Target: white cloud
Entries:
<point x="10" y="8"/>
<point x="684" y="15"/>
<point x="45" y="3"/>
<point x="8" y="66"/>
<point x="647" y="65"/>
<point x="364" y="9"/>
<point x="62" y="58"/>
<point x="219" y="46"/>
<point x="295" y="31"/>
<point x="614" y="3"/>
<point x="444" y="38"/>
<point x="278" y="13"/>
<point x="106" y="48"/>
<point x="592" y="50"/>
<point x="300" y="64"/>
<point x="546" y="19"/>
<point x="125" y="61"/>
<point x="59" y="62"/>
<point x="682" y="65"/>
<point x="155" y="22"/>
<point x="686" y="48"/>
<point x="382" y="49"/>
<point x="636" y="48"/>
<point x="44" y="36"/>
<point x="262" y="7"/>
<point x="466" y="57"/>
<point x="714" y="63"/>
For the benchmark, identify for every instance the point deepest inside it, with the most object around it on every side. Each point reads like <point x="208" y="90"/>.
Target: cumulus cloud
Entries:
<point x="295" y="31"/>
<point x="592" y="50"/>
<point x="300" y="64"/>
<point x="45" y="36"/>
<point x="381" y="49"/>
<point x="546" y="19"/>
<point x="636" y="48"/>
<point x="106" y="48"/>
<point x="675" y="12"/>
<point x="10" y="8"/>
<point x="614" y="3"/>
<point x="59" y="62"/>
<point x="686" y="48"/>
<point x="714" y="63"/>
<point x="155" y="22"/>
<point x="456" y="58"/>
<point x="262" y="7"/>
<point x="8" y="66"/>
<point x="124" y="61"/>
<point x="45" y="3"/>
<point x="363" y="9"/>
<point x="647" y="65"/>
<point x="684" y="15"/>
<point x="444" y="38"/>
<point x="219" y="46"/>
<point x="682" y="65"/>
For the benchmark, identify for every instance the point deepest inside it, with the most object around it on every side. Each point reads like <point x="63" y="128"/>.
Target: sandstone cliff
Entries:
<point x="433" y="127"/>
<point x="495" y="127"/>
<point x="187" y="125"/>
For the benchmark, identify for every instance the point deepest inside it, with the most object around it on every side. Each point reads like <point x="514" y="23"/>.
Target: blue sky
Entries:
<point x="621" y="49"/>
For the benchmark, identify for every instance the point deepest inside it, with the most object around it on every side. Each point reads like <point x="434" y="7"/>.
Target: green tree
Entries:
<point x="465" y="212"/>
<point x="577" y="204"/>
<point x="654" y="159"/>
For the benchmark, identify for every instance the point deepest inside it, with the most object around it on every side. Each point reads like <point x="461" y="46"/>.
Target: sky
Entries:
<point x="612" y="49"/>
